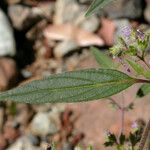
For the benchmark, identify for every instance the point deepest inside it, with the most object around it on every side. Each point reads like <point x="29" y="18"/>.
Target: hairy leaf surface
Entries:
<point x="76" y="86"/>
<point x="103" y="60"/>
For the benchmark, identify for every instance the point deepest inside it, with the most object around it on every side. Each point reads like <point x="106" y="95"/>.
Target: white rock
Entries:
<point x="64" y="47"/>
<point x="23" y="143"/>
<point x="7" y="43"/>
<point x="43" y="125"/>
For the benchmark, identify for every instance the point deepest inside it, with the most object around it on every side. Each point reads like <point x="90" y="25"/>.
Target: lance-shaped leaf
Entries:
<point x="103" y="60"/>
<point x="74" y="86"/>
<point x="137" y="67"/>
<point x="144" y="90"/>
<point x="97" y="5"/>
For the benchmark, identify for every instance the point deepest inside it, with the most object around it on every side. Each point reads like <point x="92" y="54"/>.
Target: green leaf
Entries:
<point x="132" y="50"/>
<point x="53" y="146"/>
<point x="144" y="90"/>
<point x="103" y="60"/>
<point x="137" y="67"/>
<point x="89" y="147"/>
<point x="96" y="5"/>
<point x="122" y="139"/>
<point x="146" y="74"/>
<point x="77" y="86"/>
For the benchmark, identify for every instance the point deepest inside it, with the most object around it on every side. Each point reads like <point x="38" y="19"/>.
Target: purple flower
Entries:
<point x="134" y="125"/>
<point x="140" y="35"/>
<point x="126" y="31"/>
<point x="108" y="133"/>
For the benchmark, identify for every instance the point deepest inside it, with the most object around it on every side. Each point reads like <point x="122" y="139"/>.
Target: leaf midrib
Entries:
<point x="132" y="80"/>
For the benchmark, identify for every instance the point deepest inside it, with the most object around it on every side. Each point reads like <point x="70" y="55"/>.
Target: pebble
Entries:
<point x="23" y="143"/>
<point x="72" y="37"/>
<point x="147" y="11"/>
<point x="90" y="24"/>
<point x="10" y="2"/>
<point x="7" y="42"/>
<point x="3" y="142"/>
<point x="71" y="11"/>
<point x="67" y="11"/>
<point x="23" y="17"/>
<point x="8" y="73"/>
<point x="64" y="47"/>
<point x="1" y="118"/>
<point x="18" y="15"/>
<point x="47" y="126"/>
<point x="11" y="133"/>
<point x="131" y="9"/>
<point x="35" y="140"/>
<point x="67" y="146"/>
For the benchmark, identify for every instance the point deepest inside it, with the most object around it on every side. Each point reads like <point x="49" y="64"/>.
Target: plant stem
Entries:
<point x="146" y="64"/>
<point x="113" y="101"/>
<point x="122" y="115"/>
<point x="143" y="81"/>
<point x="142" y="59"/>
<point x="144" y="136"/>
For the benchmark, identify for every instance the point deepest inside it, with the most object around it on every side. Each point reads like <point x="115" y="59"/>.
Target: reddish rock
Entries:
<point x="107" y="31"/>
<point x="8" y="72"/>
<point x="3" y="142"/>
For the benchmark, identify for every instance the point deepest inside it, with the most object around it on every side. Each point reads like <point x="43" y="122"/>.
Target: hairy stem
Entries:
<point x="122" y="114"/>
<point x="144" y="136"/>
<point x="114" y="102"/>
<point x="144" y="61"/>
<point x="146" y="64"/>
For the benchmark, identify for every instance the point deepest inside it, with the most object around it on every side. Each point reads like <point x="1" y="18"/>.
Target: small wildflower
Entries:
<point x="108" y="133"/>
<point x="140" y="35"/>
<point x="126" y="31"/>
<point x="134" y="125"/>
<point x="49" y="147"/>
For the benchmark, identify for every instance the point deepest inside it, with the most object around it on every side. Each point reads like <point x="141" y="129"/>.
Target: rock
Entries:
<point x="7" y="43"/>
<point x="131" y="9"/>
<point x="44" y="124"/>
<point x="18" y="15"/>
<point x="23" y="143"/>
<point x="66" y="11"/>
<point x="44" y="67"/>
<point x="111" y="29"/>
<point x="24" y="114"/>
<point x="24" y="17"/>
<point x="67" y="146"/>
<point x="70" y="32"/>
<point x="90" y="24"/>
<point x="8" y="73"/>
<point x="64" y="47"/>
<point x="1" y="118"/>
<point x="71" y="11"/>
<point x="147" y="11"/>
<point x="107" y="31"/>
<point x="59" y="32"/>
<point x="85" y="38"/>
<point x="11" y="133"/>
<point x="35" y="140"/>
<point x="72" y="36"/>
<point x="10" y="2"/>
<point x="3" y="142"/>
<point x="45" y="9"/>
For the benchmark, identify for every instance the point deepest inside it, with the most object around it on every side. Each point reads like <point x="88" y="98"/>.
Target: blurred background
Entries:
<point x="43" y="37"/>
